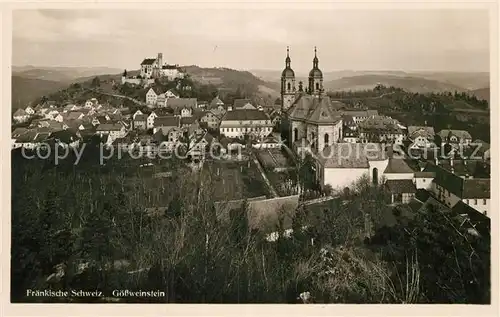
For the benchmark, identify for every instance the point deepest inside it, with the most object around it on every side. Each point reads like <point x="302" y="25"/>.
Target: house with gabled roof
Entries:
<point x="152" y="95"/>
<point x="166" y="123"/>
<point x="454" y="137"/>
<point x="341" y="165"/>
<point x="182" y="106"/>
<point x="359" y="115"/>
<point x="242" y="104"/>
<point x="421" y="136"/>
<point x="400" y="190"/>
<point x="29" y="110"/>
<point x="450" y="188"/>
<point x="74" y="115"/>
<point x="208" y="117"/>
<point x="140" y="122"/>
<point x="398" y="169"/>
<point x="171" y="94"/>
<point x="217" y="103"/>
<point x="70" y="107"/>
<point x="114" y="130"/>
<point x="31" y="139"/>
<point x="20" y="115"/>
<point x="66" y="138"/>
<point x="137" y="112"/>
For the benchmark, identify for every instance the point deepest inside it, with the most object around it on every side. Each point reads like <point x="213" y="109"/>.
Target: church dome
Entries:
<point x="315" y="72"/>
<point x="288" y="72"/>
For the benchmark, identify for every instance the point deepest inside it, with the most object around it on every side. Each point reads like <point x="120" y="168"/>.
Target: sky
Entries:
<point x="408" y="40"/>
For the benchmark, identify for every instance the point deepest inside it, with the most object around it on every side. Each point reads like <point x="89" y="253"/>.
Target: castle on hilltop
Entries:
<point x="289" y="92"/>
<point x="152" y="68"/>
<point x="155" y="68"/>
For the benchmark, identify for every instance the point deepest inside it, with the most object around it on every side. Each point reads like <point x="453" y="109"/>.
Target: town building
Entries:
<point x="20" y="115"/>
<point x="140" y="122"/>
<point x="341" y="165"/>
<point x="455" y="138"/>
<point x="209" y="118"/>
<point x="183" y="107"/>
<point x="380" y="129"/>
<point x="239" y="123"/>
<point x="112" y="130"/>
<point x="421" y="136"/>
<point x="450" y="186"/>
<point x="166" y="123"/>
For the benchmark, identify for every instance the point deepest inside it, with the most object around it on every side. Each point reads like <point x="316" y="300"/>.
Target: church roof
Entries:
<point x="288" y="72"/>
<point x="317" y="110"/>
<point x="315" y="72"/>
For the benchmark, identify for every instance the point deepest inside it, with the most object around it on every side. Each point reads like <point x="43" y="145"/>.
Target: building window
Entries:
<point x="326" y="139"/>
<point x="486" y="213"/>
<point x="475" y="201"/>
<point x="484" y="201"/>
<point x="289" y="87"/>
<point x="317" y="86"/>
<point x="467" y="201"/>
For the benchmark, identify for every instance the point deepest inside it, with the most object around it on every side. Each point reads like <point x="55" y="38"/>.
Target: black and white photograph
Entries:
<point x="289" y="154"/>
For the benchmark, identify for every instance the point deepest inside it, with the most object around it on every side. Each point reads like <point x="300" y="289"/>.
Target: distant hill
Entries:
<point x="25" y="90"/>
<point x="411" y="81"/>
<point x="411" y="84"/>
<point x="482" y="93"/>
<point x="234" y="80"/>
<point x="468" y="81"/>
<point x="61" y="73"/>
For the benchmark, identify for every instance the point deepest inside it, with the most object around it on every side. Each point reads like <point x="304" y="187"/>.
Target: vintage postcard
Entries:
<point x="251" y="153"/>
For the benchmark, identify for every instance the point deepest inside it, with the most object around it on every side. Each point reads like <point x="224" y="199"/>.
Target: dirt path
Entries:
<point x="137" y="102"/>
<point x="268" y="183"/>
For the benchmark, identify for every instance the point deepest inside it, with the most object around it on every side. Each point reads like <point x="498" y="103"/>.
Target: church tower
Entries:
<point x="287" y="84"/>
<point x="315" y="78"/>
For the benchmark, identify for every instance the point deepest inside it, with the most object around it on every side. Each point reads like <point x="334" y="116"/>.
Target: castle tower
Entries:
<point x="315" y="78"/>
<point x="287" y="84"/>
<point x="159" y="60"/>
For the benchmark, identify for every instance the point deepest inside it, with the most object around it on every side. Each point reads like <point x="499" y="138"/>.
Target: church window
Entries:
<point x="295" y="134"/>
<point x="326" y="139"/>
<point x="317" y="86"/>
<point x="289" y="86"/>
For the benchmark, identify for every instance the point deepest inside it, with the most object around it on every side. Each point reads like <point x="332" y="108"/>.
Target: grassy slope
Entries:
<point x="482" y="93"/>
<point x="25" y="90"/>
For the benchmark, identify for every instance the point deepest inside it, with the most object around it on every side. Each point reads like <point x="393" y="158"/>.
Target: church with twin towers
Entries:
<point x="289" y="90"/>
<point x="310" y="118"/>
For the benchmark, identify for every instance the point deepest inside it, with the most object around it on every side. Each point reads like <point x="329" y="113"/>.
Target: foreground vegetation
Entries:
<point x="85" y="227"/>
